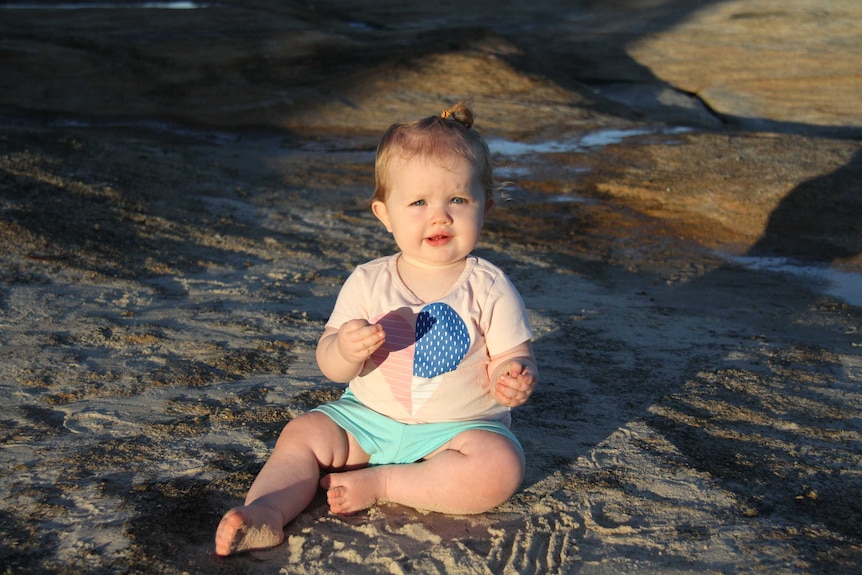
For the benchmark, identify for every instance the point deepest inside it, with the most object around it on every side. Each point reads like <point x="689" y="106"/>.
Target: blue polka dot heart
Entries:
<point x="442" y="341"/>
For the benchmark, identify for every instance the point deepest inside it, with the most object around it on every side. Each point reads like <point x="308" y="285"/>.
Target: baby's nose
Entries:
<point x="441" y="215"/>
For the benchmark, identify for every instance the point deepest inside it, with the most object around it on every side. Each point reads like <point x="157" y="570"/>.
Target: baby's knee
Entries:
<point x="497" y="489"/>
<point x="304" y="428"/>
<point x="315" y="434"/>
<point x="510" y="471"/>
<point x="504" y="465"/>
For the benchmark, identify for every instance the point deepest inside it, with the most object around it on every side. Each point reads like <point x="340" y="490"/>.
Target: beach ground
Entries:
<point x="180" y="201"/>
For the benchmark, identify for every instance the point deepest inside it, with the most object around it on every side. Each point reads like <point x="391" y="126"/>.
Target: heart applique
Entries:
<point x="442" y="340"/>
<point x="413" y="360"/>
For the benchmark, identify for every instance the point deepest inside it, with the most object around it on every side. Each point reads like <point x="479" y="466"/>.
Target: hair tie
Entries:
<point x="446" y="114"/>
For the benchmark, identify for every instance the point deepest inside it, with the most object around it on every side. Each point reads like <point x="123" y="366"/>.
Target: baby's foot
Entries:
<point x="354" y="491"/>
<point x="247" y="528"/>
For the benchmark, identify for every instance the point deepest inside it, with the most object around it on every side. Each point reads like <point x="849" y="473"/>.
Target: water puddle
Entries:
<point x="583" y="143"/>
<point x="105" y="6"/>
<point x="844" y="285"/>
<point x="514" y="168"/>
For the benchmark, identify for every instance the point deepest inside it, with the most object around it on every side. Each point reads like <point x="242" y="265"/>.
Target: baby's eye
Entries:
<point x="458" y="200"/>
<point x="418" y="203"/>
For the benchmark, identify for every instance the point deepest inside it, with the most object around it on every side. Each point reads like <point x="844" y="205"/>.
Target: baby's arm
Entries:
<point x="342" y="352"/>
<point x="513" y="375"/>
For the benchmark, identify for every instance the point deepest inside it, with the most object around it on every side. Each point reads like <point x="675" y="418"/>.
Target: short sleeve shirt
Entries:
<point x="432" y="366"/>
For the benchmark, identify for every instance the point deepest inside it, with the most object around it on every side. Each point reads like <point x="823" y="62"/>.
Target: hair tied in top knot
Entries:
<point x="461" y="113"/>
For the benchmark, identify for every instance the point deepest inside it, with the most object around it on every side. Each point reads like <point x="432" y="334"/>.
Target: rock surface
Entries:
<point x="537" y="70"/>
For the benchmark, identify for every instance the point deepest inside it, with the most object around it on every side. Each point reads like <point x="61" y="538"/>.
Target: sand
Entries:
<point x="164" y="283"/>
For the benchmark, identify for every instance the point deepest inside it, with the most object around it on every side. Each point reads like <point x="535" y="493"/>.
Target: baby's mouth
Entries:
<point x="438" y="239"/>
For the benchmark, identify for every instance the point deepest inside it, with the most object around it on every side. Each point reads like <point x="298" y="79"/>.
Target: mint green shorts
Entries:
<point x="388" y="441"/>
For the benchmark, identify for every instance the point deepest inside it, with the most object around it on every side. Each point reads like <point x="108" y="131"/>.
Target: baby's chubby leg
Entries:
<point x="474" y="472"/>
<point x="287" y="482"/>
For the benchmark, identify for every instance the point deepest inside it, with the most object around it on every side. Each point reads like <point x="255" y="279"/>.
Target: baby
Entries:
<point x="434" y="343"/>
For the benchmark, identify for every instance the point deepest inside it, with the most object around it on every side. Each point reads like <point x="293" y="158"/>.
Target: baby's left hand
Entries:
<point x="515" y="384"/>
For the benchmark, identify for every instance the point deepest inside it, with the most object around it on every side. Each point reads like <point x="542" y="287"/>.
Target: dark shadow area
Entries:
<point x="64" y="203"/>
<point x="23" y="544"/>
<point x="819" y="221"/>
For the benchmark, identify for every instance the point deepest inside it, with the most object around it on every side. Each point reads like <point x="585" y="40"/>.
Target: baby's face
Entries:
<point x="433" y="209"/>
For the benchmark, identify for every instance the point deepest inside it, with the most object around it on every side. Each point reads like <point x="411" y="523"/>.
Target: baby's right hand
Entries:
<point x="358" y="340"/>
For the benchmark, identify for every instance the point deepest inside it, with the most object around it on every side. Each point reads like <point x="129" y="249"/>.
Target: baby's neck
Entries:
<point x="429" y="283"/>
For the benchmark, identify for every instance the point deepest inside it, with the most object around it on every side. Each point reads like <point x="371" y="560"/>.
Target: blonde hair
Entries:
<point x="442" y="137"/>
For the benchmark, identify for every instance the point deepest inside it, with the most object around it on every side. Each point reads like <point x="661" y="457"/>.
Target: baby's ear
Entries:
<point x="379" y="210"/>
